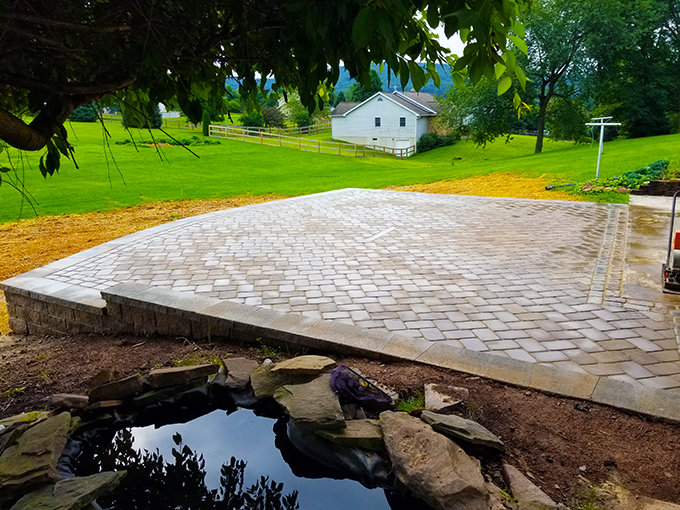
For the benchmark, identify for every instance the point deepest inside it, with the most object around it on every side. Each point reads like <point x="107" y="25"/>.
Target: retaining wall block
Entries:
<point x="74" y="328"/>
<point x="138" y="316"/>
<point x="93" y="319"/>
<point x="54" y="324"/>
<point x="142" y="329"/>
<point x="113" y="310"/>
<point x="173" y="325"/>
<point x="60" y="312"/>
<point x="40" y="330"/>
<point x="19" y="326"/>
<point x="114" y="326"/>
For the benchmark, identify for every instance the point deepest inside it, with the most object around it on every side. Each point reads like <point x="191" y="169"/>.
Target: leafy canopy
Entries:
<point x="58" y="55"/>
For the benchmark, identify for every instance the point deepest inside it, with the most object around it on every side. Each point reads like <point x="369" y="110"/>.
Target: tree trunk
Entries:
<point x="542" y="107"/>
<point x="543" y="100"/>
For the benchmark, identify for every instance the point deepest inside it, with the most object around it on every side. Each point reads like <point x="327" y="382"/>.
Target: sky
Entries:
<point x="454" y="44"/>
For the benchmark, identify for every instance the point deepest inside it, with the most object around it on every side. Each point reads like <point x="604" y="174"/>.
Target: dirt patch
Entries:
<point x="501" y="184"/>
<point x="556" y="440"/>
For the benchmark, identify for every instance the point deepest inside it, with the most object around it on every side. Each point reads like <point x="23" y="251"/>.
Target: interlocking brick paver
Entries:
<point x="440" y="275"/>
<point x="549" y="356"/>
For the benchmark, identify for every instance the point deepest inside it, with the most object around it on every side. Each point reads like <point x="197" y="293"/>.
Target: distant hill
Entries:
<point x="345" y="81"/>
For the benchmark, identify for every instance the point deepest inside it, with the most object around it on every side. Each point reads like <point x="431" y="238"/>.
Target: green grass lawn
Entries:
<point x="236" y="168"/>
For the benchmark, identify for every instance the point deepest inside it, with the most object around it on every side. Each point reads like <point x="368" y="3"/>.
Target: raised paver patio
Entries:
<point x="541" y="281"/>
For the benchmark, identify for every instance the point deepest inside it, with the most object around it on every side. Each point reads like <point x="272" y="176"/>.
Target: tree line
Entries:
<point x="583" y="59"/>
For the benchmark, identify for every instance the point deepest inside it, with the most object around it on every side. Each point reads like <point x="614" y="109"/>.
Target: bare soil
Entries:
<point x="557" y="441"/>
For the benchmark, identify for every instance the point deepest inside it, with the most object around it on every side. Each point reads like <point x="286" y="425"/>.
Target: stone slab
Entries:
<point x="72" y="493"/>
<point x="173" y="376"/>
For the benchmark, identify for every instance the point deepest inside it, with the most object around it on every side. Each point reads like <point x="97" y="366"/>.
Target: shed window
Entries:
<point x="377" y="122"/>
<point x="402" y="121"/>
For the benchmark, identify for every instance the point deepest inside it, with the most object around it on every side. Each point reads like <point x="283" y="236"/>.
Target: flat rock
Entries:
<point x="31" y="460"/>
<point x="158" y="395"/>
<point x="372" y="469"/>
<point x="70" y="401"/>
<point x="104" y="376"/>
<point x="304" y="365"/>
<point x="265" y="382"/>
<point x="312" y="405"/>
<point x="106" y="404"/>
<point x="72" y="493"/>
<point x="528" y="495"/>
<point x="116" y="390"/>
<point x="443" y="397"/>
<point x="365" y="434"/>
<point x="164" y="377"/>
<point x="431" y="465"/>
<point x="238" y="372"/>
<point x="458" y="428"/>
<point x="23" y="418"/>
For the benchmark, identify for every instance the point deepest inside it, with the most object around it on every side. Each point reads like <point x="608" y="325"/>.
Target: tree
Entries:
<point x="57" y="56"/>
<point x="340" y="98"/>
<point x="477" y="111"/>
<point x="273" y="117"/>
<point x="357" y="93"/>
<point x="252" y="119"/>
<point x="637" y="73"/>
<point x="555" y="35"/>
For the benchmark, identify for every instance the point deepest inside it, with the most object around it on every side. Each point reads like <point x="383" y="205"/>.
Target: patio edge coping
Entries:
<point x="138" y="309"/>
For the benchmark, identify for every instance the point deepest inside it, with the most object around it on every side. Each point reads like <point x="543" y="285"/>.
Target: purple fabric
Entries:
<point x="355" y="389"/>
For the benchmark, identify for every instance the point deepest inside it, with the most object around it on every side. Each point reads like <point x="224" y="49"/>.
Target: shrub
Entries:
<point x="430" y="141"/>
<point x="87" y="113"/>
<point x="273" y="117"/>
<point x="135" y="119"/>
<point x="252" y="119"/>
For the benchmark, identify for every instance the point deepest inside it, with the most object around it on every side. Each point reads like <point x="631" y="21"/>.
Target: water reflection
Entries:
<point x="184" y="466"/>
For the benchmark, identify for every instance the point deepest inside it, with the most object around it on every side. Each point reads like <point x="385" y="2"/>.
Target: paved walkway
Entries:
<point x="570" y="284"/>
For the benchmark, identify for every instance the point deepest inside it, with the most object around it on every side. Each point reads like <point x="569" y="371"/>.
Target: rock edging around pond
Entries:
<point x="428" y="457"/>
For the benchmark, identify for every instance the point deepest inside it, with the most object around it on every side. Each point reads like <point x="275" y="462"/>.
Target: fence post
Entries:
<point x="319" y="150"/>
<point x="339" y="153"/>
<point x="279" y="138"/>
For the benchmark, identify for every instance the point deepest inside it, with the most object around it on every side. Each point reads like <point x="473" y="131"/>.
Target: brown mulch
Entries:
<point x="499" y="184"/>
<point x="557" y="441"/>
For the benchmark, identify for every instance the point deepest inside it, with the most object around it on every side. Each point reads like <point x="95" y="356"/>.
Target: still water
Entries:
<point x="222" y="461"/>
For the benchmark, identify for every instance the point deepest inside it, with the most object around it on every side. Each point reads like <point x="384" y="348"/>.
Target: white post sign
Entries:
<point x="602" y="124"/>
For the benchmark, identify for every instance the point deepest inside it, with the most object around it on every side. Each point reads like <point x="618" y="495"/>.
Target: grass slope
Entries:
<point x="236" y="168"/>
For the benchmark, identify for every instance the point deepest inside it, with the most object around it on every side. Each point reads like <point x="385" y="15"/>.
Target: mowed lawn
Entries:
<point x="116" y="176"/>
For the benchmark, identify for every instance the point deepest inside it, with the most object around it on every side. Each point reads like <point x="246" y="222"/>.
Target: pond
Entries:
<point x="232" y="460"/>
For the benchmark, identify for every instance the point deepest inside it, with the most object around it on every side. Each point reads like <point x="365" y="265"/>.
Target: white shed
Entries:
<point x="393" y="120"/>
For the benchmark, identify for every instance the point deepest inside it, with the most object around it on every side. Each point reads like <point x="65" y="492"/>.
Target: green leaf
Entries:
<point x="521" y="45"/>
<point x="41" y="167"/>
<point x="499" y="70"/>
<point x="521" y="77"/>
<point x="363" y="27"/>
<point x="458" y="80"/>
<point x="504" y="85"/>
<point x="403" y="73"/>
<point x="516" y="101"/>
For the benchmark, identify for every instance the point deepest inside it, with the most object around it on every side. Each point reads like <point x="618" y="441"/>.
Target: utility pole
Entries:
<point x="602" y="124"/>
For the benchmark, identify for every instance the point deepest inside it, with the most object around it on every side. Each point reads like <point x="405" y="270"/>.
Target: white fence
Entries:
<point x="275" y="138"/>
